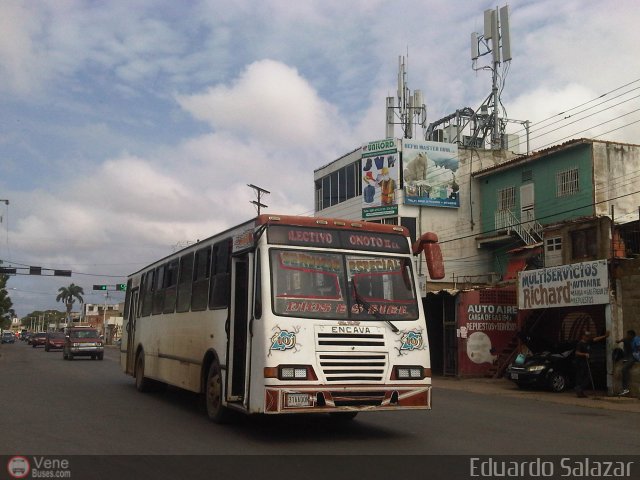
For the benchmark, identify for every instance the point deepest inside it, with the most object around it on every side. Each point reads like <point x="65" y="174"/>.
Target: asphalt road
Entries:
<point x="84" y="407"/>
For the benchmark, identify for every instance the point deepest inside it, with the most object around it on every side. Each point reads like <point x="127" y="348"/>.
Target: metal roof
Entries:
<point x="534" y="156"/>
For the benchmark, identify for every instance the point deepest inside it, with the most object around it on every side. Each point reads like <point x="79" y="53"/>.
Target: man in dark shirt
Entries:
<point x="581" y="361"/>
<point x="629" y="359"/>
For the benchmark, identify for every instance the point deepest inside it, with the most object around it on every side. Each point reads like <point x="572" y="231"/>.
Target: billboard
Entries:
<point x="585" y="283"/>
<point x="429" y="174"/>
<point x="380" y="178"/>
<point x="483" y="331"/>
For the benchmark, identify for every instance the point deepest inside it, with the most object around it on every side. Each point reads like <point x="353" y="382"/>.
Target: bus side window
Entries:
<point x="158" y="292"/>
<point x="147" y="296"/>
<point x="170" y="287"/>
<point x="185" y="280"/>
<point x="221" y="276"/>
<point x="200" y="287"/>
<point x="127" y="300"/>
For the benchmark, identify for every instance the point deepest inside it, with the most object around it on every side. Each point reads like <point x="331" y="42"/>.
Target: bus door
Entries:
<point x="238" y="365"/>
<point x="130" y="330"/>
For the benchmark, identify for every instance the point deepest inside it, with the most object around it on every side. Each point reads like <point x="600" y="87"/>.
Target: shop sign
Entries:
<point x="585" y="283"/>
<point x="381" y="178"/>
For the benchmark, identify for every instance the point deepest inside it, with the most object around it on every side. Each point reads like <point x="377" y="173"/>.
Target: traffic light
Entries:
<point x="62" y="273"/>
<point x="122" y="287"/>
<point x="99" y="287"/>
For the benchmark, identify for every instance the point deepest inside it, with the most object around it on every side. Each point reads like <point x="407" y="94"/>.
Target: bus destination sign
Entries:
<point x="346" y="239"/>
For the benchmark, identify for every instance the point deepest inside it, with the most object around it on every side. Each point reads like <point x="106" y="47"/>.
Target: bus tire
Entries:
<point x="143" y="384"/>
<point x="216" y="412"/>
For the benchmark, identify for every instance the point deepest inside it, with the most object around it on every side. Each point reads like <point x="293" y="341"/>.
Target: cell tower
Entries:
<point x="475" y="128"/>
<point x="410" y="110"/>
<point x="495" y="40"/>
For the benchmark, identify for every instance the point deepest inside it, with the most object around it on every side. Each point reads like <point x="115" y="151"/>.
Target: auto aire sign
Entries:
<point x="584" y="283"/>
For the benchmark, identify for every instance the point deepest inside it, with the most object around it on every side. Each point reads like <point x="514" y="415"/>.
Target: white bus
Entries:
<point x="286" y="314"/>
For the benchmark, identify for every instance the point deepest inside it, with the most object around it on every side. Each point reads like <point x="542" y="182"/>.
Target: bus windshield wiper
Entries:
<point x="372" y="311"/>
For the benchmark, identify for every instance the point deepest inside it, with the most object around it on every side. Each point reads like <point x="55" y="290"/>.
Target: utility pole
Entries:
<point x="120" y="287"/>
<point x="104" y="318"/>
<point x="259" y="192"/>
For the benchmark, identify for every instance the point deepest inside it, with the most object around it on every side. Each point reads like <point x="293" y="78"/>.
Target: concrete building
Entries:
<point x="106" y="318"/>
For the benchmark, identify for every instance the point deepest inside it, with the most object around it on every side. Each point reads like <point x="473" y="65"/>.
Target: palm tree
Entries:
<point x="68" y="296"/>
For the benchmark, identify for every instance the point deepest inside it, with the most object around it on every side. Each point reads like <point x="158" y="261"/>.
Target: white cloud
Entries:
<point x="270" y="102"/>
<point x="20" y="57"/>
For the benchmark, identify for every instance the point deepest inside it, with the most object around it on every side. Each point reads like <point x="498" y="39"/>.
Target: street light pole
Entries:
<point x="104" y="318"/>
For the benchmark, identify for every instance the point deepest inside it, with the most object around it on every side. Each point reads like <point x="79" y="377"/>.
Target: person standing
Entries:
<point x="628" y="342"/>
<point x="581" y="361"/>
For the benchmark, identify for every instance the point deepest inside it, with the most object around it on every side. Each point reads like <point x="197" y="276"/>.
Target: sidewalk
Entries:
<point x="505" y="388"/>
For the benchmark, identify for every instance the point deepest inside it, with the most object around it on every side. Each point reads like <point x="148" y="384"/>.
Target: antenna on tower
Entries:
<point x="496" y="41"/>
<point x="410" y="110"/>
<point x="484" y="124"/>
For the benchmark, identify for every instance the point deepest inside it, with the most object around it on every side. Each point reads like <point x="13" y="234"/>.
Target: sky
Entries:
<point x="128" y="128"/>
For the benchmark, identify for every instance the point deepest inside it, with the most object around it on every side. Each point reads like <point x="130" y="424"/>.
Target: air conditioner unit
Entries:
<point x="450" y="133"/>
<point x="511" y="142"/>
<point x="469" y="141"/>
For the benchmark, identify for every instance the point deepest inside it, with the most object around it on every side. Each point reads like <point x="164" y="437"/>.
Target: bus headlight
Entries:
<point x="290" y="372"/>
<point x="408" y="372"/>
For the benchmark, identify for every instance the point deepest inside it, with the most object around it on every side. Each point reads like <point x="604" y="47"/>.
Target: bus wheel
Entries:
<point x="343" y="416"/>
<point x="143" y="384"/>
<point x="213" y="395"/>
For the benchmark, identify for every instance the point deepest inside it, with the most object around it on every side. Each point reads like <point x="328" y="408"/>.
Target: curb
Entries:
<point x="504" y="388"/>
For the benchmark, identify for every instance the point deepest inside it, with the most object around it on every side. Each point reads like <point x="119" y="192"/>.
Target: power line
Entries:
<point x="547" y="216"/>
<point x="589" y="101"/>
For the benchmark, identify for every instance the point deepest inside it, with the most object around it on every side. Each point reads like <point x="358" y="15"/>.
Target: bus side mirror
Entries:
<point x="428" y="244"/>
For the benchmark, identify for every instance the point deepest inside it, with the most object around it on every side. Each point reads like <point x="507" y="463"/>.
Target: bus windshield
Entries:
<point x="342" y="286"/>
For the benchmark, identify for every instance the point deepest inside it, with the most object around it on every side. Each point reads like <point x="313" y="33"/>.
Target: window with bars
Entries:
<point x="567" y="182"/>
<point x="507" y="198"/>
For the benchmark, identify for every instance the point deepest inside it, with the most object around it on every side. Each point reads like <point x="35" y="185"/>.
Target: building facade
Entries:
<point x="561" y="217"/>
<point x="498" y="214"/>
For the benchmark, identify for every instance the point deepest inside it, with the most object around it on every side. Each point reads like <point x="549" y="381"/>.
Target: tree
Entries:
<point x="6" y="312"/>
<point x="68" y="296"/>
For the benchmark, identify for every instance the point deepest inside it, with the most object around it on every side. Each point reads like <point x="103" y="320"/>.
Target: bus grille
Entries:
<point x="351" y="339"/>
<point x="360" y="367"/>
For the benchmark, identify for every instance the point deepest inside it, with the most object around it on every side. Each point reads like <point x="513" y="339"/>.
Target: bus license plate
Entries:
<point x="298" y="400"/>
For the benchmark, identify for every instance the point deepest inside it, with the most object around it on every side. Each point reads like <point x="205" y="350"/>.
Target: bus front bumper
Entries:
<point x="335" y="398"/>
